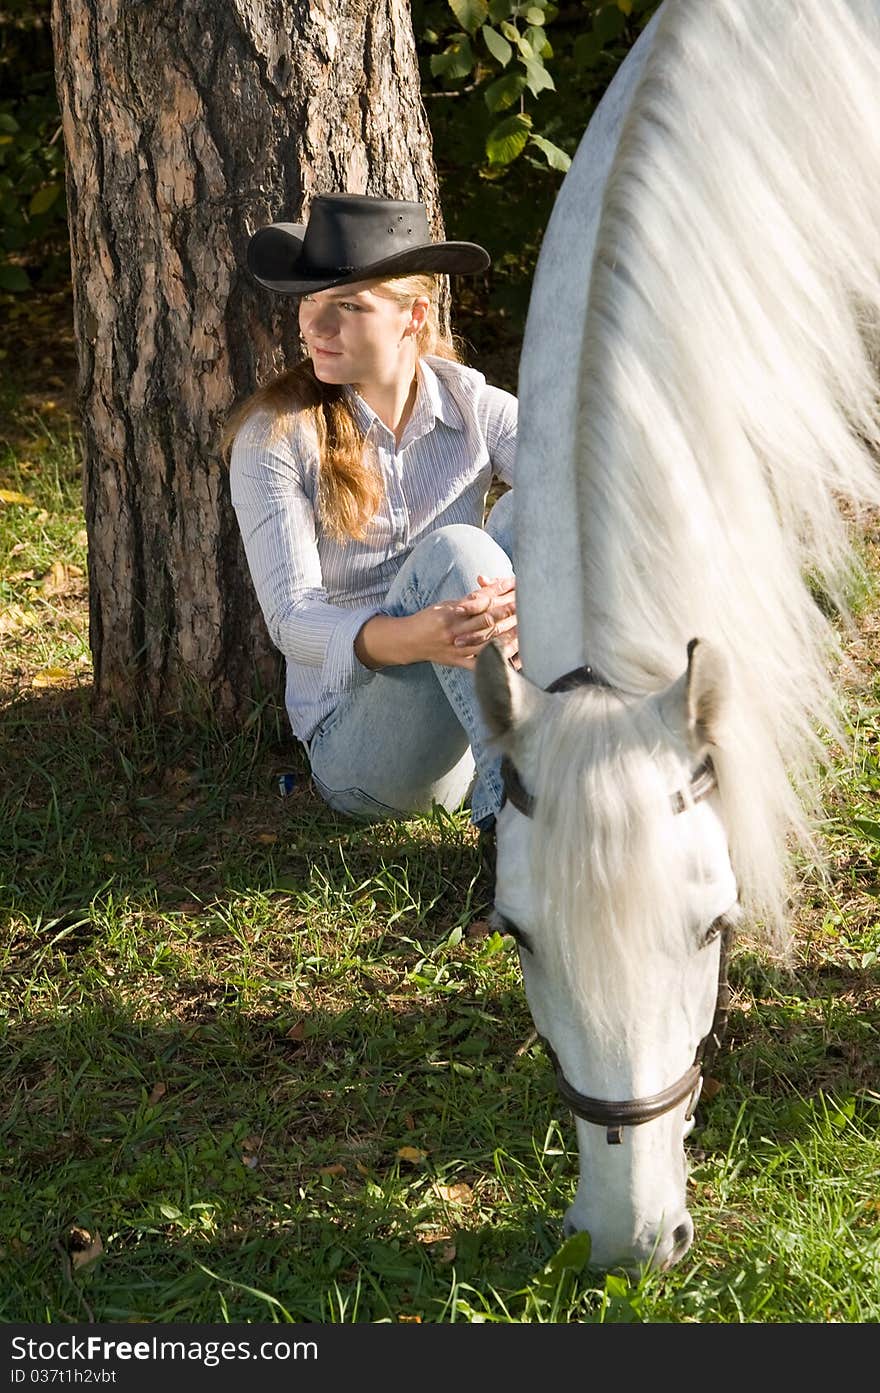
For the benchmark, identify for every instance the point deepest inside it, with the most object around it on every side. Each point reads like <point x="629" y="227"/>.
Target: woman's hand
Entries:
<point x="490" y="614"/>
<point x="452" y="633"/>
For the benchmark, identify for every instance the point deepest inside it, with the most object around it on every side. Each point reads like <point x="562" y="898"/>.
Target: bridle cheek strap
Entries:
<point x="632" y="1112"/>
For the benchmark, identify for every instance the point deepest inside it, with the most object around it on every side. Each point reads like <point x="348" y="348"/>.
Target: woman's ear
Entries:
<point x="418" y="317"/>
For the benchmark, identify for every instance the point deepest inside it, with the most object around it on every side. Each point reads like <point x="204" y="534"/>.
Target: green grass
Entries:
<point x="279" y="1065"/>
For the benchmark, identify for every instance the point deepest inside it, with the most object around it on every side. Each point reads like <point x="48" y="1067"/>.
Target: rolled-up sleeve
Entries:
<point x="276" y="519"/>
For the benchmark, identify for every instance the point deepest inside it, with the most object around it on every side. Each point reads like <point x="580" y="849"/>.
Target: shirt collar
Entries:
<point x="433" y="403"/>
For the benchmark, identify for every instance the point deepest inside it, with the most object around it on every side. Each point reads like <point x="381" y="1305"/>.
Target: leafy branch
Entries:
<point x="501" y="48"/>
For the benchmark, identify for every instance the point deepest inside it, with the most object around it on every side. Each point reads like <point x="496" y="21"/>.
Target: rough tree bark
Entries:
<point x="187" y="124"/>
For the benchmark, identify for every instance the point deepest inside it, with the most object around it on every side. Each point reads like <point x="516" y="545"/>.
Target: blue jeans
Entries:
<point x="413" y="735"/>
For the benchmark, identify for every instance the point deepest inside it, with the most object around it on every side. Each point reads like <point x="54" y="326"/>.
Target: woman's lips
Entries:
<point x="326" y="353"/>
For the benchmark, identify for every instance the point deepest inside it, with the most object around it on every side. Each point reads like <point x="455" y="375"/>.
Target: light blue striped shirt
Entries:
<point x="316" y="593"/>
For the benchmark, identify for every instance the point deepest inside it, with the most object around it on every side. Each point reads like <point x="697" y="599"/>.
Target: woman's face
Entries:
<point x="355" y="334"/>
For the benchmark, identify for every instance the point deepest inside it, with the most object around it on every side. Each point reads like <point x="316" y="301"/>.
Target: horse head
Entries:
<point x="613" y="874"/>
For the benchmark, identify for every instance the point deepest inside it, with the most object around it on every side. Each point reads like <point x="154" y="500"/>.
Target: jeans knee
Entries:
<point x="461" y="546"/>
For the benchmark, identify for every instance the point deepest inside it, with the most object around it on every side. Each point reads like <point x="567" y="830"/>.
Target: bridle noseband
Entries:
<point x="632" y="1112"/>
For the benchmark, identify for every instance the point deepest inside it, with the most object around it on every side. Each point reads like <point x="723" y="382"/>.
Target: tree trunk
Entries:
<point x="187" y="125"/>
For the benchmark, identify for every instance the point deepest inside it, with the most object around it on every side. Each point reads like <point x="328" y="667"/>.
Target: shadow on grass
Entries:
<point x="176" y="817"/>
<point x="362" y="1150"/>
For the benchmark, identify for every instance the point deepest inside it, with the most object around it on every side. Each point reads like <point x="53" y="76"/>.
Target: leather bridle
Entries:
<point x="632" y="1112"/>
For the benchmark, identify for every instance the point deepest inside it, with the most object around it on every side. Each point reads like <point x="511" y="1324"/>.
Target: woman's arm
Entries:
<point x="277" y="523"/>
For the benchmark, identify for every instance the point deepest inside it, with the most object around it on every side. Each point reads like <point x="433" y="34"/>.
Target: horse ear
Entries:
<point x="695" y="704"/>
<point x="506" y="699"/>
<point x="707" y="691"/>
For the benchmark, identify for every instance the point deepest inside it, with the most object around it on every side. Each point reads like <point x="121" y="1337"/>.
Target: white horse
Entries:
<point x="698" y="389"/>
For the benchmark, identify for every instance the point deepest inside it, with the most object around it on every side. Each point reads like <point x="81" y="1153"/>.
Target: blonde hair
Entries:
<point x="350" y="489"/>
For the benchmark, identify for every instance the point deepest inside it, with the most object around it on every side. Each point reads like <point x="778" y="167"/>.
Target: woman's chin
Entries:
<point x="329" y="370"/>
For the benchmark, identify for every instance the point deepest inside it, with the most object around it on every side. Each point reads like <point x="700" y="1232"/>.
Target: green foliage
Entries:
<point x="501" y="49"/>
<point x="33" y="209"/>
<point x="510" y="88"/>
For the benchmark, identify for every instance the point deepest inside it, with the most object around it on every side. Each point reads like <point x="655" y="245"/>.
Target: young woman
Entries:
<point x="359" y="480"/>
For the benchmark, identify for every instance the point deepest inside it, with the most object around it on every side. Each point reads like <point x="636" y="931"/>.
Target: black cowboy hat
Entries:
<point x="352" y="237"/>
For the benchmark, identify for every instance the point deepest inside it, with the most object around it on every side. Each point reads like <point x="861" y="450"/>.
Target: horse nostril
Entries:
<point x="682" y="1238"/>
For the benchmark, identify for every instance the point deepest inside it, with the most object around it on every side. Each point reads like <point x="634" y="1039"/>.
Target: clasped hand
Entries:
<point x="455" y="632"/>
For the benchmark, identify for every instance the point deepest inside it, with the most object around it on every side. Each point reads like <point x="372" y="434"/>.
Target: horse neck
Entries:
<point x="549" y="546"/>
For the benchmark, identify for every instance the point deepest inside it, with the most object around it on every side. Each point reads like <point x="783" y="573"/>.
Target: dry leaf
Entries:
<point x="337" y="1169"/>
<point x="51" y="677"/>
<point x="250" y="1161"/>
<point x="267" y="838"/>
<point x="710" y="1088"/>
<point x="455" y="1194"/>
<point x="82" y="538"/>
<point x="55" y="579"/>
<point x="410" y="1122"/>
<point x="296" y="1032"/>
<point x="156" y="1092"/>
<point x="83" y="1247"/>
<point x="10" y="496"/>
<point x="411" y="1153"/>
<point x="15" y="618"/>
<point x="362" y="1169"/>
<point x="413" y="1320"/>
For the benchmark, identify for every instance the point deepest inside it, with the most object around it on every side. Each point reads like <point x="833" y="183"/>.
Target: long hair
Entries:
<point x="349" y="487"/>
<point x="728" y="394"/>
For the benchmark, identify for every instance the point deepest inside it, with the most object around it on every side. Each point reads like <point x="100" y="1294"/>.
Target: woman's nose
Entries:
<point x="322" y="323"/>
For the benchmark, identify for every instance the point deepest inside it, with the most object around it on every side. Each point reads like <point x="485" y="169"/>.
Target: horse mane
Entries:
<point x="728" y="394"/>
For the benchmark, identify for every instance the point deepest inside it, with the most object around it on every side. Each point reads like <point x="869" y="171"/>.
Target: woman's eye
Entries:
<point x="347" y="305"/>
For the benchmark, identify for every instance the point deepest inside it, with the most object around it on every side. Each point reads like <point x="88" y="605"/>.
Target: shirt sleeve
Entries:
<point x="501" y="432"/>
<point x="276" y="519"/>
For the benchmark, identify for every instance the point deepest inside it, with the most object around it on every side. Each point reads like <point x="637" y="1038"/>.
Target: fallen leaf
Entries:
<point x="82" y="538"/>
<point x="412" y="1320"/>
<point x="337" y="1169"/>
<point x="51" y="677"/>
<point x="10" y="496"/>
<point x="156" y="1092"/>
<point x="83" y="1247"/>
<point x="362" y="1169"/>
<point x="455" y="1194"/>
<point x="15" y="618"/>
<point x="296" y="1032"/>
<point x="410" y="1122"/>
<point x="250" y="1161"/>
<point x="57" y="579"/>
<point x="411" y="1153"/>
<point x="711" y="1087"/>
<point x="267" y="838"/>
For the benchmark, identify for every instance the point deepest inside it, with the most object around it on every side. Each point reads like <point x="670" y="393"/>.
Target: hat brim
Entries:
<point x="278" y="247"/>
